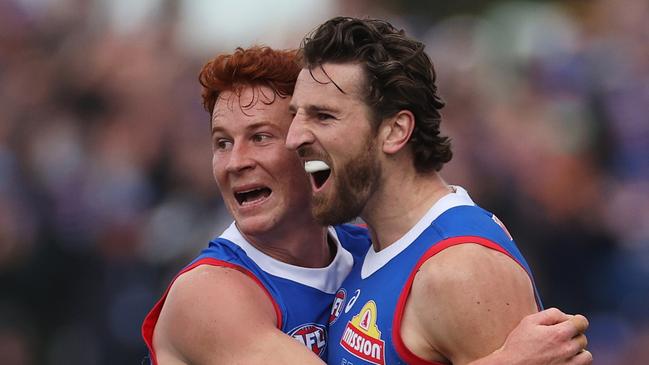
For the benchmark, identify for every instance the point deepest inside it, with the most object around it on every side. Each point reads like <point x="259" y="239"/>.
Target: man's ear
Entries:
<point x="396" y="131"/>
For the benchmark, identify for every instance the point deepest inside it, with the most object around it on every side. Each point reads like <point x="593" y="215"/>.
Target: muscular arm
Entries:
<point x="464" y="302"/>
<point x="467" y="301"/>
<point x="216" y="315"/>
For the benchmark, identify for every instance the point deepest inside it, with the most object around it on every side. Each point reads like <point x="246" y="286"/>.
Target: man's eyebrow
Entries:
<point x="217" y="128"/>
<point x="250" y="127"/>
<point x="315" y="108"/>
<point x="321" y="108"/>
<point x="261" y="124"/>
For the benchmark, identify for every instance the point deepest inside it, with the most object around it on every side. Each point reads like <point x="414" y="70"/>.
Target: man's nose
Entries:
<point x="298" y="134"/>
<point x="240" y="159"/>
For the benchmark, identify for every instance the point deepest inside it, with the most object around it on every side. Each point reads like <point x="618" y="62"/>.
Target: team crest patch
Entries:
<point x="362" y="337"/>
<point x="312" y="335"/>
<point x="337" y="307"/>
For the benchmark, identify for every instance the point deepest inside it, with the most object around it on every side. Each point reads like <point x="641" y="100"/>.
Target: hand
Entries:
<point x="550" y="337"/>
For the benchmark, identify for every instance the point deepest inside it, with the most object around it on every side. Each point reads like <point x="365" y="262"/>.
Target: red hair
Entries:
<point x="254" y="66"/>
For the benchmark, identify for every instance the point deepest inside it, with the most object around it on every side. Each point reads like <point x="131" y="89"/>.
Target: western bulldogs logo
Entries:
<point x="337" y="307"/>
<point x="312" y="335"/>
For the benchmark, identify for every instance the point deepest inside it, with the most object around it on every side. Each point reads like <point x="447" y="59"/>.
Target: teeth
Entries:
<point x="315" y="166"/>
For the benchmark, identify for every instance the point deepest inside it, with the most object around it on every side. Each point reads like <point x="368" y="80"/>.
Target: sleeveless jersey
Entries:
<point x="302" y="297"/>
<point x="366" y="315"/>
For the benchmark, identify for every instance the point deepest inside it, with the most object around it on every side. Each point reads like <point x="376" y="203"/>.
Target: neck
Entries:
<point x="304" y="245"/>
<point x="402" y="200"/>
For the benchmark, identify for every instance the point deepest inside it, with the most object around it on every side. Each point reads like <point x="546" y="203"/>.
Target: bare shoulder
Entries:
<point x="465" y="292"/>
<point x="471" y="266"/>
<point x="215" y="287"/>
<point x="221" y="290"/>
<point x="205" y="311"/>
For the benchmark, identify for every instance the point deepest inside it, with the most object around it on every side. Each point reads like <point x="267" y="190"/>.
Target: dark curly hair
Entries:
<point x="398" y="73"/>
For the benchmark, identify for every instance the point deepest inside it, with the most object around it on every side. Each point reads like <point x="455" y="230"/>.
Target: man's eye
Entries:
<point x="260" y="137"/>
<point x="324" y="116"/>
<point x="223" y="144"/>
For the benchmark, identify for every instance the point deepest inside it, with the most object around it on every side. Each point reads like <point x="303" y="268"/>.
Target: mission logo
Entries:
<point x="312" y="335"/>
<point x="362" y="337"/>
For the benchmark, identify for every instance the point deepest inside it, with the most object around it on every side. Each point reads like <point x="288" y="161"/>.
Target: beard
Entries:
<point x="356" y="180"/>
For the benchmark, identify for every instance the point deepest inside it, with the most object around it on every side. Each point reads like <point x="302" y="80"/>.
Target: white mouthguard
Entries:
<point x="314" y="166"/>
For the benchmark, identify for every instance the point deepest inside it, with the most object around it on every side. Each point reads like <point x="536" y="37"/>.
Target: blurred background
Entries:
<point x="105" y="182"/>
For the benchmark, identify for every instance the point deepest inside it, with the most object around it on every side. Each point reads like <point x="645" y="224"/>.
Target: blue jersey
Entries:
<point x="302" y="297"/>
<point x="366" y="316"/>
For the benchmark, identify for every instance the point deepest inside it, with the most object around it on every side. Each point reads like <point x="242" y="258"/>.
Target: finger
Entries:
<point x="573" y="326"/>
<point x="548" y="317"/>
<point x="567" y="329"/>
<point x="576" y="345"/>
<point x="580" y="322"/>
<point x="582" y="358"/>
<point x="582" y="341"/>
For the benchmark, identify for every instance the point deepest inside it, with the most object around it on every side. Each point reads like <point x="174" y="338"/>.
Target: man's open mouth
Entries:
<point x="319" y="172"/>
<point x="251" y="196"/>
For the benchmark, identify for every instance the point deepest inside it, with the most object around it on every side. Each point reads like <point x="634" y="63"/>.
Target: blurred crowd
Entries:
<point x="106" y="187"/>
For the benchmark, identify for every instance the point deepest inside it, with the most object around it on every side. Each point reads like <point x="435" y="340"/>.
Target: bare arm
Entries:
<point x="216" y="315"/>
<point x="464" y="302"/>
<point x="466" y="307"/>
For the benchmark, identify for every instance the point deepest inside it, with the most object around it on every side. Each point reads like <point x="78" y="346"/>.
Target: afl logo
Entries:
<point x="337" y="307"/>
<point x="312" y="335"/>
